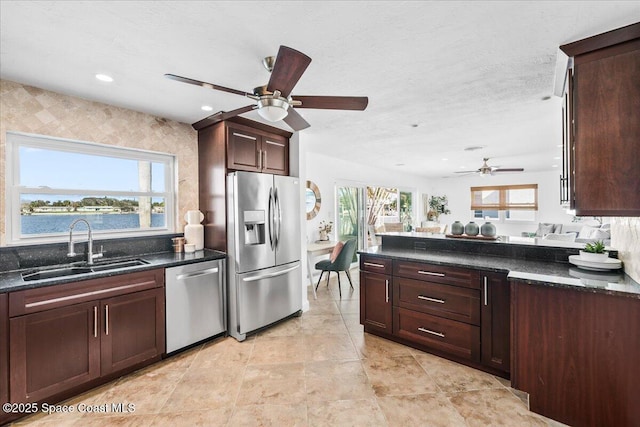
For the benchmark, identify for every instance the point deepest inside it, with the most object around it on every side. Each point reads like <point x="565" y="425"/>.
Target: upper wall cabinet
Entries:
<point x="605" y="134"/>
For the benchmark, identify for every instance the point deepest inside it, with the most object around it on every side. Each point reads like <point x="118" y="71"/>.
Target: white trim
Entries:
<point x="13" y="192"/>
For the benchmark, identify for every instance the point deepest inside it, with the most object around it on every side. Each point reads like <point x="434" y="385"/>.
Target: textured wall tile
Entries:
<point x="625" y="237"/>
<point x="29" y="109"/>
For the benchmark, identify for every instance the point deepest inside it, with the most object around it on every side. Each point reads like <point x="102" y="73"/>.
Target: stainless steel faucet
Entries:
<point x="90" y="255"/>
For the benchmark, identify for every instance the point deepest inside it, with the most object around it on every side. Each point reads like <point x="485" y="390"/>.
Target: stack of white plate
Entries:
<point x="606" y="265"/>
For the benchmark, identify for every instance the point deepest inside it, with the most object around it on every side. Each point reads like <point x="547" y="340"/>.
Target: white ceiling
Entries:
<point x="466" y="73"/>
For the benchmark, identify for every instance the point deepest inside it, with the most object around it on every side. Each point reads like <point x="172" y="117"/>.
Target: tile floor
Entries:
<point x="319" y="369"/>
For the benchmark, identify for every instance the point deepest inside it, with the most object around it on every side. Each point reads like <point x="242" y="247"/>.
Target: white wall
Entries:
<point x="549" y="209"/>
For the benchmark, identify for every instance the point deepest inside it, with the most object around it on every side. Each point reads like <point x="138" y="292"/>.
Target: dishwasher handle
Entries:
<point x="206" y="272"/>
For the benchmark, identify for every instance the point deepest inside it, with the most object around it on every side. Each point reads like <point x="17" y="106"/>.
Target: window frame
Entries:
<point x="503" y="206"/>
<point x="13" y="189"/>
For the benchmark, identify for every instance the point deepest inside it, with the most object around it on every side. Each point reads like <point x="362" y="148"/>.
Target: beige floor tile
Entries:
<point x="321" y="306"/>
<point x="224" y="352"/>
<point x="352" y="322"/>
<point x="346" y="413"/>
<point x="452" y="377"/>
<point x="349" y="306"/>
<point x="287" y="328"/>
<point x="206" y="418"/>
<point x="323" y="324"/>
<point x="270" y="415"/>
<point x="128" y="420"/>
<point x="394" y="376"/>
<point x="329" y="347"/>
<point x="494" y="407"/>
<point x="279" y="384"/>
<point x="286" y="349"/>
<point x="337" y="380"/>
<point x="370" y="346"/>
<point x="428" y="410"/>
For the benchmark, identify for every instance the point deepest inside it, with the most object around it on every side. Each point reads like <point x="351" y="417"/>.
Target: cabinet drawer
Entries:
<point x="437" y="273"/>
<point x="375" y="264"/>
<point x="46" y="298"/>
<point x="456" y="338"/>
<point x="452" y="302"/>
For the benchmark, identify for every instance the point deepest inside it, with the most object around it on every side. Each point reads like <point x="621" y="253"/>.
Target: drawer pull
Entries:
<point x="440" y="301"/>
<point x="439" y="334"/>
<point x="371" y="264"/>
<point x="429" y="273"/>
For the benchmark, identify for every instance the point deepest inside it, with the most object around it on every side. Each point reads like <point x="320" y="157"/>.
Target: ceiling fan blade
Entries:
<point x="220" y="116"/>
<point x="333" y="102"/>
<point x="467" y="172"/>
<point x="508" y="170"/>
<point x="289" y="67"/>
<point x="205" y="84"/>
<point x="295" y="120"/>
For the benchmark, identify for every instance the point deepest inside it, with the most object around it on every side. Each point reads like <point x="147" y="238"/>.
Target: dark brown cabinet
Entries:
<point x="576" y="354"/>
<point x="375" y="294"/>
<point x="496" y="321"/>
<point x="4" y="351"/>
<point x="237" y="144"/>
<point x="255" y="152"/>
<point x="66" y="336"/>
<point x="605" y="97"/>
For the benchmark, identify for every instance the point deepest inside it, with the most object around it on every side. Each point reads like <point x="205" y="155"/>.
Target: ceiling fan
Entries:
<point x="485" y="169"/>
<point x="274" y="101"/>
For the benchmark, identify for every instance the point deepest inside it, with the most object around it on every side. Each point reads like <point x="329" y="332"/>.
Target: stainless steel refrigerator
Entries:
<point x="263" y="242"/>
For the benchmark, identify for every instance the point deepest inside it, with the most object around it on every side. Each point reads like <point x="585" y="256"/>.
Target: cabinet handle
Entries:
<point x="386" y="290"/>
<point x="440" y="301"/>
<point x="485" y="290"/>
<point x="428" y="331"/>
<point x="371" y="264"/>
<point x="260" y="159"/>
<point x="264" y="153"/>
<point x="106" y="319"/>
<point x="95" y="321"/>
<point x="429" y="273"/>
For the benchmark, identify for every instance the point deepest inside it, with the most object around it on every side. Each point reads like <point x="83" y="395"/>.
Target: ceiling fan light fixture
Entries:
<point x="273" y="109"/>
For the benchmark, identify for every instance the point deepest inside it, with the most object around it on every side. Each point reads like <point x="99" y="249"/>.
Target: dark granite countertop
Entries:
<point x="12" y="280"/>
<point x="531" y="271"/>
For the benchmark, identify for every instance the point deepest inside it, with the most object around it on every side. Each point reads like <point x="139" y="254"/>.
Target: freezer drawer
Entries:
<point x="195" y="303"/>
<point x="266" y="296"/>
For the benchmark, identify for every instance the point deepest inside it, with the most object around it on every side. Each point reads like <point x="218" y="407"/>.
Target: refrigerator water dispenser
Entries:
<point x="254" y="227"/>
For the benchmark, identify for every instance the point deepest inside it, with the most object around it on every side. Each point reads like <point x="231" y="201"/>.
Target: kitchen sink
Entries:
<point x="51" y="273"/>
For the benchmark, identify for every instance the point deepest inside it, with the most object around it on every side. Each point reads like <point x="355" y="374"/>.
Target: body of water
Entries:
<point x="44" y="224"/>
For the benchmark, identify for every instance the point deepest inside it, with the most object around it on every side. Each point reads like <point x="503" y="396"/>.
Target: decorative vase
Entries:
<point x="457" y="228"/>
<point x="194" y="231"/>
<point x="471" y="229"/>
<point x="488" y="229"/>
<point x="595" y="257"/>
<point x="324" y="235"/>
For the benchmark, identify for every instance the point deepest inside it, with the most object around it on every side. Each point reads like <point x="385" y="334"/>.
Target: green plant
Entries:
<point x="438" y="204"/>
<point x="596" y="247"/>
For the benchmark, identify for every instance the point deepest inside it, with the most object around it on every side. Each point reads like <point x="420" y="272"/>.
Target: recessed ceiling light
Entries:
<point x="104" y="78"/>
<point x="206" y="108"/>
<point x="557" y="158"/>
<point x="444" y="159"/>
<point x="554" y="166"/>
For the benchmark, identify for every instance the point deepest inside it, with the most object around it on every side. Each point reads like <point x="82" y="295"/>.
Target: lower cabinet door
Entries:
<point x="133" y="329"/>
<point x="375" y="301"/>
<point x="53" y="350"/>
<point x="496" y="321"/>
<point x="450" y="336"/>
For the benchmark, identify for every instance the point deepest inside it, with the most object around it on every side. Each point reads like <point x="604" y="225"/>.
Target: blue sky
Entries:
<point x="58" y="169"/>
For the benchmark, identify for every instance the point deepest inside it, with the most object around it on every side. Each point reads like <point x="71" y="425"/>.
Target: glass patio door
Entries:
<point x="350" y="214"/>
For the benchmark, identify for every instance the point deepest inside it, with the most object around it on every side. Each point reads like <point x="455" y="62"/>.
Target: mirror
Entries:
<point x="312" y="200"/>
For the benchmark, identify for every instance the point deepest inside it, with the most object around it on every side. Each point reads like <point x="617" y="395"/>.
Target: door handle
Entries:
<point x="95" y="321"/>
<point x="264" y="153"/>
<point x="259" y="159"/>
<point x="198" y="274"/>
<point x="386" y="290"/>
<point x="269" y="275"/>
<point x="271" y="222"/>
<point x="485" y="290"/>
<point x="106" y="319"/>
<point x="279" y="216"/>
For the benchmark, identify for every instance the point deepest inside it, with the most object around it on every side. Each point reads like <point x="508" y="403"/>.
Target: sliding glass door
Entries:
<point x="350" y="213"/>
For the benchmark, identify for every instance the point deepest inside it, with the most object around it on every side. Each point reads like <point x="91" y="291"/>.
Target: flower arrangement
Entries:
<point x="437" y="206"/>
<point x="325" y="228"/>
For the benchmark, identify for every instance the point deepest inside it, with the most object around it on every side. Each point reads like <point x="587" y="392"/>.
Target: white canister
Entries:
<point x="194" y="231"/>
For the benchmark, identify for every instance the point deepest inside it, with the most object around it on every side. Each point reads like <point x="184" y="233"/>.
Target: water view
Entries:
<point x="57" y="223"/>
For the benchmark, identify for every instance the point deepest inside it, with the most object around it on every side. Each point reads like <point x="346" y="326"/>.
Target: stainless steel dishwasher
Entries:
<point x="195" y="303"/>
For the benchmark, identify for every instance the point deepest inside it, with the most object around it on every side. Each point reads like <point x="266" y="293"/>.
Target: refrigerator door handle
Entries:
<point x="270" y="220"/>
<point x="269" y="275"/>
<point x="278" y="216"/>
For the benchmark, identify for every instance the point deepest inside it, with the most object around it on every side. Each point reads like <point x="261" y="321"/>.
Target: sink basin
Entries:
<point x="50" y="273"/>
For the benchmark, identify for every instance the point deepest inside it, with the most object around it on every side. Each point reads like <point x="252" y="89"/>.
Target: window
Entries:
<point x="119" y="191"/>
<point x="505" y="202"/>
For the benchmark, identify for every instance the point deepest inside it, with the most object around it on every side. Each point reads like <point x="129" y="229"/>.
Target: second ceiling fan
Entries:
<point x="274" y="101"/>
<point x="485" y="169"/>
